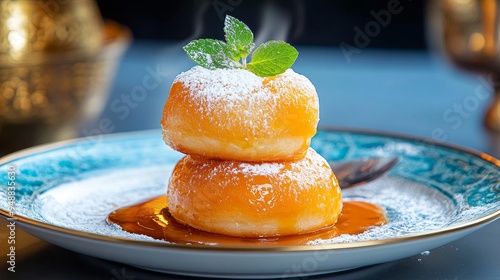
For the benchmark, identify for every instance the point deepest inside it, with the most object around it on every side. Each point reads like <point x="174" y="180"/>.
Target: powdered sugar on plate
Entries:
<point x="411" y="209"/>
<point x="85" y="204"/>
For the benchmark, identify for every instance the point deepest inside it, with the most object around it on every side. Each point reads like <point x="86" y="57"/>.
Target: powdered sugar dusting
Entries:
<point x="306" y="172"/>
<point x="314" y="164"/>
<point x="266" y="168"/>
<point x="217" y="84"/>
<point x="237" y="84"/>
<point x="217" y="94"/>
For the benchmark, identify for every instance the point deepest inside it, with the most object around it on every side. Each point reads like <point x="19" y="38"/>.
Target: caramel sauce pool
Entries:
<point x="152" y="218"/>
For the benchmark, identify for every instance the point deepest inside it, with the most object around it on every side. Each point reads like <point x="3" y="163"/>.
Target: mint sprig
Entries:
<point x="269" y="59"/>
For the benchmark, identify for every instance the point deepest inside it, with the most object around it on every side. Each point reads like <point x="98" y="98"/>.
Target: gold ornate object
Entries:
<point x="57" y="59"/>
<point x="468" y="32"/>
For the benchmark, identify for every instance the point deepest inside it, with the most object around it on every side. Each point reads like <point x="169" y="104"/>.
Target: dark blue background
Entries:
<point x="313" y="22"/>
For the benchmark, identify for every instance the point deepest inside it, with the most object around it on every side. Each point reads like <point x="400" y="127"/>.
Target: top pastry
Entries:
<point x="229" y="109"/>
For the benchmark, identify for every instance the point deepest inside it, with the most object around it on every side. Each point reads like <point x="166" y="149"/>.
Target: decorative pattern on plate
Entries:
<point x="453" y="172"/>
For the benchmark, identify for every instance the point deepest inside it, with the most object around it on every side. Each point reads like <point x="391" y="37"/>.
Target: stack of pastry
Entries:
<point x="249" y="170"/>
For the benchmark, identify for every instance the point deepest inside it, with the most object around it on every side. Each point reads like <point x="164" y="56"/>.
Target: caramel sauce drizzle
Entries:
<point x="152" y="218"/>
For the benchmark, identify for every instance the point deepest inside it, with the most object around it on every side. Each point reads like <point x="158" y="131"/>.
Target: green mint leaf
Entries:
<point x="238" y="37"/>
<point x="272" y="58"/>
<point x="211" y="54"/>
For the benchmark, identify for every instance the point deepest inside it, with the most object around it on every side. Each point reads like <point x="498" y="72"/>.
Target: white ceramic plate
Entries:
<point x="63" y="193"/>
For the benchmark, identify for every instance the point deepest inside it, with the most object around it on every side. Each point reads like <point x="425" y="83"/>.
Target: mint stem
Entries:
<point x="244" y="62"/>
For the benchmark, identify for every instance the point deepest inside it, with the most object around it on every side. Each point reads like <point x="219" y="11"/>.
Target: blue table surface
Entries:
<point x="404" y="92"/>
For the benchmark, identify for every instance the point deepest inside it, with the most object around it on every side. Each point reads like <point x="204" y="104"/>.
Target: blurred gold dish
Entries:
<point x="37" y="27"/>
<point x="57" y="59"/>
<point x="467" y="34"/>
